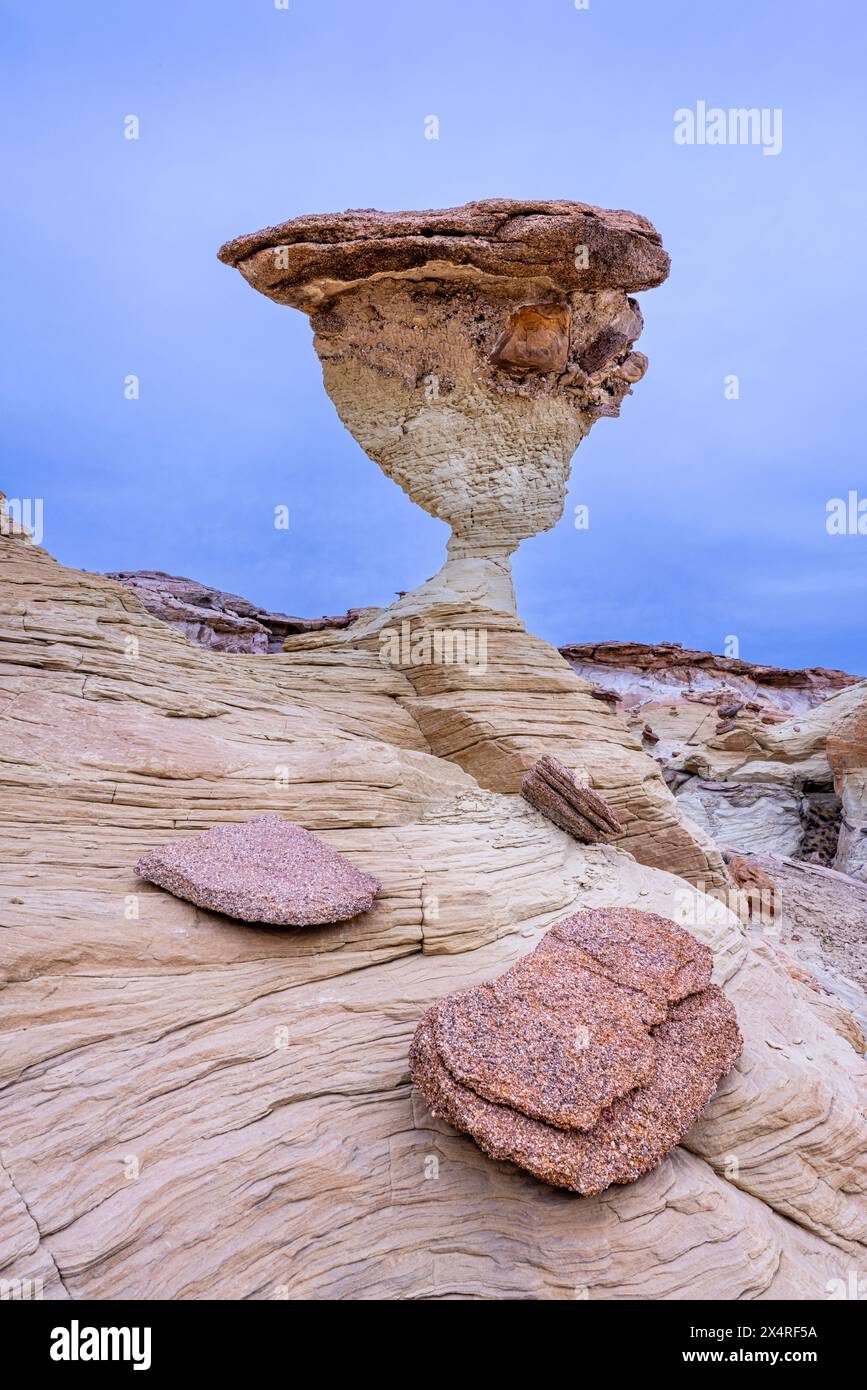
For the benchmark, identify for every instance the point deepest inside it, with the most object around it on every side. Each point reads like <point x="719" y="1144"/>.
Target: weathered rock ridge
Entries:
<point x="767" y="760"/>
<point x="641" y="674"/>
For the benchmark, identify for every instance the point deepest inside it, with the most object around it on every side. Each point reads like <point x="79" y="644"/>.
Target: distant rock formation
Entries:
<point x="214" y="619"/>
<point x="266" y="870"/>
<point x="552" y="789"/>
<point x="765" y="759"/>
<point x="818" y="918"/>
<point x="847" y="754"/>
<point x="665" y="673"/>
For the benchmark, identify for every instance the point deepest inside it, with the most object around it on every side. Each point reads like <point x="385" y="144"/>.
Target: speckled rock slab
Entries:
<point x="693" y="1050"/>
<point x="499" y="237"/>
<point x="561" y="1060"/>
<point x="552" y="789"/>
<point x="590" y="1058"/>
<point x="266" y="870"/>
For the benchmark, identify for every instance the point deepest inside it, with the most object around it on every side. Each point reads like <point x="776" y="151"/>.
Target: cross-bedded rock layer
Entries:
<point x="469" y="349"/>
<point x="263" y="1073"/>
<point x="590" y="1058"/>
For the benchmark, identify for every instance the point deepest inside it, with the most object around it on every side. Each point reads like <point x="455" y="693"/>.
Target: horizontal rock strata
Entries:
<point x="642" y="674"/>
<point x="323" y="254"/>
<point x="263" y="1073"/>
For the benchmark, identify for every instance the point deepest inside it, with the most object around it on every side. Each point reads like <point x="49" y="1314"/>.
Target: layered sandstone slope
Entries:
<point x="162" y="1064"/>
<point x="513" y="702"/>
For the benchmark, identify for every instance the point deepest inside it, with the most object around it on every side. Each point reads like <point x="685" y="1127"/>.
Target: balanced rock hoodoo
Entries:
<point x="469" y="350"/>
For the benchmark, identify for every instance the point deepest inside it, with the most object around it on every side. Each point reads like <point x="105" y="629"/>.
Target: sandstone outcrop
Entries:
<point x="214" y="619"/>
<point x="159" y="1063"/>
<point x="266" y="870"/>
<point x="437" y="332"/>
<point x="766" y="760"/>
<point x="552" y="789"/>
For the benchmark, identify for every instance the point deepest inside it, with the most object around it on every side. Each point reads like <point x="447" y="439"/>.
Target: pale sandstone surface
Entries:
<point x="497" y="717"/>
<point x="193" y="1108"/>
<point x="820" y="924"/>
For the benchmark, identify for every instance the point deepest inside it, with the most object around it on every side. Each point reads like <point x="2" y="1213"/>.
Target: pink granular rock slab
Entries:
<point x="266" y="870"/>
<point x="695" y="1047"/>
<point x="639" y="950"/>
<point x="558" y="1056"/>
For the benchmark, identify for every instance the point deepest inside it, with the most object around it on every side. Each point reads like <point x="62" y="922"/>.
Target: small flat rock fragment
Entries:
<point x="696" y="1046"/>
<point x="266" y="870"/>
<point x="638" y="949"/>
<point x="558" y="1057"/>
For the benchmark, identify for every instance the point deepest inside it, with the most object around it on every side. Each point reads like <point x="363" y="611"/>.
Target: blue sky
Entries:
<point x="707" y="515"/>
